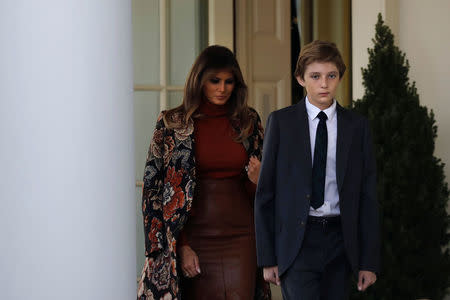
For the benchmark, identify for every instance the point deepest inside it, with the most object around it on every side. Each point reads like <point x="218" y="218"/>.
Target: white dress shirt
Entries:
<point x="330" y="205"/>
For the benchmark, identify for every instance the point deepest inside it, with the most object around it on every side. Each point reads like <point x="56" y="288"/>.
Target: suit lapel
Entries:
<point x="344" y="140"/>
<point x="303" y="128"/>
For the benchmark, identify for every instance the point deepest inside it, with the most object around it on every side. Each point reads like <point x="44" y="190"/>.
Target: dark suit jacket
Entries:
<point x="283" y="195"/>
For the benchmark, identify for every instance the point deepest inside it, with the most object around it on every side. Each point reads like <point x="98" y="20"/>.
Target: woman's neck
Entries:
<point x="212" y="110"/>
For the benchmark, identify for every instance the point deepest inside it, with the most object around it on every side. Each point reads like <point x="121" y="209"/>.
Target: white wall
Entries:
<point x="424" y="31"/>
<point x="364" y="18"/>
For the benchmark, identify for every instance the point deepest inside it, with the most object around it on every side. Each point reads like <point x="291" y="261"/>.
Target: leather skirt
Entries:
<point x="221" y="232"/>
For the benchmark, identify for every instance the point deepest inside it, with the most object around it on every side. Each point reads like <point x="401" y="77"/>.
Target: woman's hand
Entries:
<point x="189" y="261"/>
<point x="253" y="169"/>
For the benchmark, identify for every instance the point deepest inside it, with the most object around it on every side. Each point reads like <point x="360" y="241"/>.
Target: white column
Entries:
<point x="67" y="216"/>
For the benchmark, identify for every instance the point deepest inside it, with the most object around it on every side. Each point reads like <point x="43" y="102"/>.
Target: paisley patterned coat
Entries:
<point x="169" y="183"/>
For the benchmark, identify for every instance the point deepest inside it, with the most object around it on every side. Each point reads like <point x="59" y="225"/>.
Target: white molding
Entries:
<point x="284" y="91"/>
<point x="267" y="94"/>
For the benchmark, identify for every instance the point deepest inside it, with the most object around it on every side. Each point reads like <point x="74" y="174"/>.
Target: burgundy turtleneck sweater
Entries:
<point x="217" y="154"/>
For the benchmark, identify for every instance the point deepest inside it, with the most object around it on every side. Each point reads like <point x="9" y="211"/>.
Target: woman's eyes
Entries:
<point x="217" y="80"/>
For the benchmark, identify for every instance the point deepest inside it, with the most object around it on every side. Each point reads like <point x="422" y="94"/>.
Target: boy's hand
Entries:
<point x="366" y="279"/>
<point x="271" y="275"/>
<point x="189" y="261"/>
<point x="253" y="168"/>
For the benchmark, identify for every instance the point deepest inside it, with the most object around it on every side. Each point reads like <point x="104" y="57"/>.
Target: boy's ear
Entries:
<point x="300" y="81"/>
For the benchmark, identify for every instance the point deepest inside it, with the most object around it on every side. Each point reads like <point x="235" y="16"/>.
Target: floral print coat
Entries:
<point x="169" y="182"/>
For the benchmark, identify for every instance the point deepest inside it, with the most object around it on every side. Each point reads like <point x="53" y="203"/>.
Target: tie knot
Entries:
<point x="322" y="116"/>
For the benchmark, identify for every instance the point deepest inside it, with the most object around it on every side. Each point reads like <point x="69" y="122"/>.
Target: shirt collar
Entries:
<point x="313" y="111"/>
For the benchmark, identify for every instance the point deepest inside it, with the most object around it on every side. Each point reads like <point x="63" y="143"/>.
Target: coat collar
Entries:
<point x="303" y="124"/>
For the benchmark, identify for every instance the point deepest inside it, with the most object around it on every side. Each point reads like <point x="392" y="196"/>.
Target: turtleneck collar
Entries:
<point x="212" y="110"/>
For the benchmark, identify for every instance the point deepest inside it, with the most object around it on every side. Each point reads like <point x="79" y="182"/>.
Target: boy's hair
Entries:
<point x="319" y="51"/>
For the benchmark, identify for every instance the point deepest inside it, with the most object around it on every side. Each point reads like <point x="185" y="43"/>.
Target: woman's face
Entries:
<point x="218" y="88"/>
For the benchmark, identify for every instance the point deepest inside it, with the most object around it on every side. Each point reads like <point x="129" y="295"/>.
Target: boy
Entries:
<point x="316" y="214"/>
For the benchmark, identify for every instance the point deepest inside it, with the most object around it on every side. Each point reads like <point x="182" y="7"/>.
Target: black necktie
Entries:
<point x="320" y="162"/>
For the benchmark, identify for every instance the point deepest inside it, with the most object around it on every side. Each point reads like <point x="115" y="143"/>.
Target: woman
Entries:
<point x="198" y="197"/>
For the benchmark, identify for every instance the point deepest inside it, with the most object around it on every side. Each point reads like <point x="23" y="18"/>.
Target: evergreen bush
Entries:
<point x="412" y="192"/>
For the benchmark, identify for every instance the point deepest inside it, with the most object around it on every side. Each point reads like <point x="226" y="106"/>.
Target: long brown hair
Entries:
<point x="212" y="60"/>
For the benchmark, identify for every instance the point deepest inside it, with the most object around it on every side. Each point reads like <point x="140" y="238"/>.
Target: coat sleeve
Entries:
<point x="265" y="197"/>
<point x="258" y="133"/>
<point x="256" y="139"/>
<point x="152" y="193"/>
<point x="369" y="235"/>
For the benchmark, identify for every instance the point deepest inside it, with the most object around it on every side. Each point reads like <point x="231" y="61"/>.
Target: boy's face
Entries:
<point x="321" y="80"/>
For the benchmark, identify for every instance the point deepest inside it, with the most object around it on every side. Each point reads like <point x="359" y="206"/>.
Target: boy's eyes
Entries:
<point x="317" y="76"/>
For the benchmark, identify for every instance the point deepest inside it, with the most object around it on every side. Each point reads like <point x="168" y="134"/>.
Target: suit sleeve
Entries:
<point x="152" y="193"/>
<point x="265" y="197"/>
<point x="369" y="235"/>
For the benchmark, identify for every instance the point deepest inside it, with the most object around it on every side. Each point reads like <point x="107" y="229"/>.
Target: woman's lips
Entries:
<point x="324" y="94"/>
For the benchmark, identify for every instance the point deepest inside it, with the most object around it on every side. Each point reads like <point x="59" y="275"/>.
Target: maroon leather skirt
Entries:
<point x="221" y="232"/>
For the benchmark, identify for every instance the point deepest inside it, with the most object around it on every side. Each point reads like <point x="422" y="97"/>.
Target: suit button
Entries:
<point x="302" y="223"/>
<point x="308" y="196"/>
